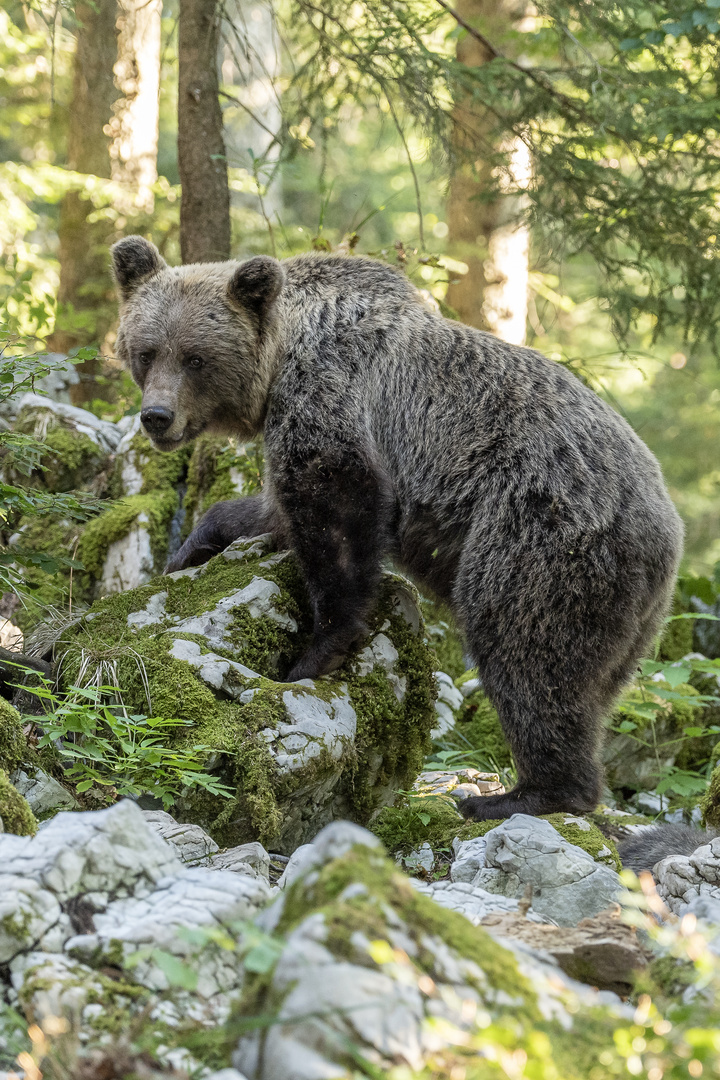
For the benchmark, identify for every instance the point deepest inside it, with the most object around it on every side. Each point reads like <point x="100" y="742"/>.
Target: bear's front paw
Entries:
<point x="320" y="659"/>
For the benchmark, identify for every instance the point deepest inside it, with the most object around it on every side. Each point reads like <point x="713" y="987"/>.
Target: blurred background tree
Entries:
<point x="548" y="171"/>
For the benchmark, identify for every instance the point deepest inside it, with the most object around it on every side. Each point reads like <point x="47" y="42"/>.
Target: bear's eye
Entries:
<point x="147" y="357"/>
<point x="195" y="361"/>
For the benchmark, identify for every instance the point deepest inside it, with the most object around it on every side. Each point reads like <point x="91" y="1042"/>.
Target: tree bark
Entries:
<point x="205" y="202"/>
<point x="85" y="291"/>
<point x="489" y="236"/>
<point x="134" y="126"/>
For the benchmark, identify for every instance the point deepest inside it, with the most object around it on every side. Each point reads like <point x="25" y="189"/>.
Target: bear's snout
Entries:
<point x="157" y="419"/>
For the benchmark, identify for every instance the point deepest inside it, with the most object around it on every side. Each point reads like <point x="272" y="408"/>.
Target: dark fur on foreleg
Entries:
<point x="223" y="523"/>
<point x="337" y="506"/>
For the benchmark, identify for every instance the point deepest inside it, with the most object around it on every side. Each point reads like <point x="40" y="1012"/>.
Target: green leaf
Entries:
<point x="425" y="818"/>
<point x="676" y="675"/>
<point x="262" y="957"/>
<point x="176" y="973"/>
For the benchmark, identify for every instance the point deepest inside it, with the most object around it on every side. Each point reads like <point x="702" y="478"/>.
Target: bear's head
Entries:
<point x="201" y="341"/>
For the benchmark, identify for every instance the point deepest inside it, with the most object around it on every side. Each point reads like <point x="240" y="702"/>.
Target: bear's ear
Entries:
<point x="134" y="259"/>
<point x="256" y="285"/>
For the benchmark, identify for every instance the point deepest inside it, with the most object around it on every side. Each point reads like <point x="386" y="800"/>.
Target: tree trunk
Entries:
<point x="489" y="236"/>
<point x="205" y="202"/>
<point x="85" y="291"/>
<point x="134" y="126"/>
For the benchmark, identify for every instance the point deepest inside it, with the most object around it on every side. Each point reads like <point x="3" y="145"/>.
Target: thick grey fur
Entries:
<point x="648" y="846"/>
<point x="490" y="473"/>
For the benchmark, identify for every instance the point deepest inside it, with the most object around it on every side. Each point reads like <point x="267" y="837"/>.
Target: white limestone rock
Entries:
<point x="192" y="843"/>
<point x="190" y="898"/>
<point x="382" y="653"/>
<point x="44" y="793"/>
<point x="567" y="884"/>
<point x="113" y="851"/>
<point x="106" y="435"/>
<point x="314" y="726"/>
<point x="259" y="597"/>
<point x="251" y="859"/>
<point x="472" y="902"/>
<point x="469" y="858"/>
<point x="129" y="561"/>
<point x="448" y="701"/>
<point x="684" y="881"/>
<point x="213" y="669"/>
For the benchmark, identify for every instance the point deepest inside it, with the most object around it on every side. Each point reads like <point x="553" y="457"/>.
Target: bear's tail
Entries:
<point x="650" y="845"/>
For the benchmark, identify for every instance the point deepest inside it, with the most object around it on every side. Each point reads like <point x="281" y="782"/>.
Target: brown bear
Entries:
<point x="491" y="474"/>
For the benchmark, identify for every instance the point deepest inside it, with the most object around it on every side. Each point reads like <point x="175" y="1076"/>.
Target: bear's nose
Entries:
<point x="157" y="419"/>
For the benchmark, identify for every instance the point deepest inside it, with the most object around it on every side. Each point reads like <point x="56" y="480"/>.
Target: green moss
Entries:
<point x="17" y="817"/>
<point x="402" y="828"/>
<point x="115" y="523"/>
<point x="56" y="536"/>
<point x="14" y="750"/>
<point x="72" y="459"/>
<point x="219" y="470"/>
<point x="367" y="913"/>
<point x="710" y="802"/>
<point x="159" y="471"/>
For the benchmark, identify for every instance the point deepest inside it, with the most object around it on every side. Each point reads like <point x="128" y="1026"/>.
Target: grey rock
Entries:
<point x="102" y="851"/>
<point x="469" y="858"/>
<point x="192" y="843"/>
<point x="190" y="898"/>
<point x="259" y="597"/>
<point x="43" y="792"/>
<point x="423" y="858"/>
<point x="102" y="432"/>
<point x="472" y="902"/>
<point x="567" y="884"/>
<point x="448" y="701"/>
<point x="250" y="859"/>
<point x="213" y="669"/>
<point x="381" y="653"/>
<point x="314" y="726"/>
<point x="683" y="881"/>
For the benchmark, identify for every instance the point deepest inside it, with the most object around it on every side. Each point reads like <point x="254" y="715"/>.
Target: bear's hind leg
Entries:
<point x="555" y="630"/>
<point x="555" y="745"/>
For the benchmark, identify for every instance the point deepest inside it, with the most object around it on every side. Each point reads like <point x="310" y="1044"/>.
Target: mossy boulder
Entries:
<point x="78" y="447"/>
<point x="369" y="970"/>
<point x="434" y="820"/>
<point x="15" y="814"/>
<point x="154" y="501"/>
<point x="208" y="645"/>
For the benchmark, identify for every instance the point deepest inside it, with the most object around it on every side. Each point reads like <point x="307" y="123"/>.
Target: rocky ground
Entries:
<point x="321" y="909"/>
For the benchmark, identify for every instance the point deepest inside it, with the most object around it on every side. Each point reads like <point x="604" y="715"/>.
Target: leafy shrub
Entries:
<point x="104" y="746"/>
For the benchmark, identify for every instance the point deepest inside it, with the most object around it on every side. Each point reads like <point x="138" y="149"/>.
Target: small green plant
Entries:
<point x="102" y="744"/>
<point x="660" y="687"/>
